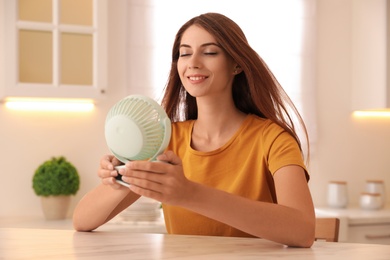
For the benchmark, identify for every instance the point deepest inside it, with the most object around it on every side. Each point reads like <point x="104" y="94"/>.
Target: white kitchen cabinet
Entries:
<point x="361" y="226"/>
<point x="369" y="234"/>
<point x="49" y="49"/>
<point x="370" y="54"/>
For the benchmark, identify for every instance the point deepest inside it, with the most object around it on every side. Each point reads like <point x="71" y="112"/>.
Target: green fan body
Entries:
<point x="137" y="128"/>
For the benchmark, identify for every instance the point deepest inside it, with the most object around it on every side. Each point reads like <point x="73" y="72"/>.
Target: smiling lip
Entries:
<point x="196" y="78"/>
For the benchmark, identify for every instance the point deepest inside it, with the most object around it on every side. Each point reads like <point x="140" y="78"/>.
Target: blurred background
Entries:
<point x="331" y="56"/>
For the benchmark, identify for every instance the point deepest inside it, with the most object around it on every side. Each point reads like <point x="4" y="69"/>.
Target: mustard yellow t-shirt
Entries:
<point x="244" y="166"/>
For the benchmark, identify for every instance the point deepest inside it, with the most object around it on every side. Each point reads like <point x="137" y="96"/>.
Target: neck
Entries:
<point x="217" y="114"/>
<point x="217" y="122"/>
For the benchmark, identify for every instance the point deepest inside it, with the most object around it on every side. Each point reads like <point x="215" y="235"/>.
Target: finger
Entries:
<point x="170" y="157"/>
<point x="145" y="188"/>
<point x="106" y="162"/>
<point x="115" y="161"/>
<point x="112" y="182"/>
<point x="137" y="176"/>
<point x="103" y="173"/>
<point x="152" y="171"/>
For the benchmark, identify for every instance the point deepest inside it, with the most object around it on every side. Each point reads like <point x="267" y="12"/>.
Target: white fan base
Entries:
<point x="124" y="136"/>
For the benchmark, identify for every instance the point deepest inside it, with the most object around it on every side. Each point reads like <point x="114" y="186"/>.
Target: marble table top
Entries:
<point x="67" y="244"/>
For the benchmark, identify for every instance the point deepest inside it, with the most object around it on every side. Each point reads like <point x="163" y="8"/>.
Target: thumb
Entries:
<point x="169" y="157"/>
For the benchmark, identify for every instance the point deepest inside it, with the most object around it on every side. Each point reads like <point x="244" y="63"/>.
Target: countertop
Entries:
<point x="356" y="216"/>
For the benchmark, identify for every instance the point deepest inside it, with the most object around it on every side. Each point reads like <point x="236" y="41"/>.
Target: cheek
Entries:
<point x="180" y="68"/>
<point x="224" y="71"/>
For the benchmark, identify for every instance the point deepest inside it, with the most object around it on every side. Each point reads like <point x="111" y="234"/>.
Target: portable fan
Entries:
<point x="137" y="128"/>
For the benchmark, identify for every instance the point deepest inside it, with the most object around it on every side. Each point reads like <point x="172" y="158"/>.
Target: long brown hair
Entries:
<point x="255" y="89"/>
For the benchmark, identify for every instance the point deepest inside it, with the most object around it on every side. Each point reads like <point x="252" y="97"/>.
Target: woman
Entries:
<point x="234" y="165"/>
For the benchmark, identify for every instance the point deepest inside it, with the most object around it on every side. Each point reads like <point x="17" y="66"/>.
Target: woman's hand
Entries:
<point x="107" y="171"/>
<point x="162" y="180"/>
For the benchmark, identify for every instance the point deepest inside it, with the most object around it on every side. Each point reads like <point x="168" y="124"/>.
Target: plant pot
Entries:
<point x="55" y="207"/>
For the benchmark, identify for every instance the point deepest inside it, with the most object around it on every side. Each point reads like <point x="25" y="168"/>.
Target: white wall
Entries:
<point x="29" y="138"/>
<point x="347" y="149"/>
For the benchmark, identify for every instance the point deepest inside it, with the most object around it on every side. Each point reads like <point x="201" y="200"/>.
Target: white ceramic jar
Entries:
<point x="376" y="186"/>
<point x="371" y="201"/>
<point x="337" y="194"/>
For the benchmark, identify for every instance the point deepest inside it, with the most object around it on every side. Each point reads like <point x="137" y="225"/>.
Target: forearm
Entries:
<point x="286" y="225"/>
<point x="100" y="205"/>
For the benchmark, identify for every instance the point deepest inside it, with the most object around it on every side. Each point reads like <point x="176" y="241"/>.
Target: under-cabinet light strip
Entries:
<point x="372" y="113"/>
<point x="65" y="105"/>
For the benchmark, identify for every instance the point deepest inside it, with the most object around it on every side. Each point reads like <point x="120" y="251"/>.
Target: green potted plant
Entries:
<point x="55" y="180"/>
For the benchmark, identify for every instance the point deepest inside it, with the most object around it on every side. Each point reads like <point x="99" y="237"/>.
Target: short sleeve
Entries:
<point x="282" y="150"/>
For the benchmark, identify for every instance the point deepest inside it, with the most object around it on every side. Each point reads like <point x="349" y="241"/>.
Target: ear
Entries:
<point x="237" y="70"/>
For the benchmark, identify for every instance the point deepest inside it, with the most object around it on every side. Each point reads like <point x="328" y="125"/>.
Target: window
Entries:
<point x="55" y="48"/>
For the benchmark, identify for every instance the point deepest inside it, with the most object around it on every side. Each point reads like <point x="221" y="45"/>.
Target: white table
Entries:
<point x="67" y="244"/>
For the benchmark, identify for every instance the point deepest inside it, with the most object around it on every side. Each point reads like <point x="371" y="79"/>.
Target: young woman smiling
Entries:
<point x="234" y="165"/>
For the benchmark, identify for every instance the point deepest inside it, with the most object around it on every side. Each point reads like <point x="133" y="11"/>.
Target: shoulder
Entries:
<point x="265" y="127"/>
<point x="279" y="146"/>
<point x="269" y="133"/>
<point x="180" y="136"/>
<point x="182" y="130"/>
<point x="182" y="125"/>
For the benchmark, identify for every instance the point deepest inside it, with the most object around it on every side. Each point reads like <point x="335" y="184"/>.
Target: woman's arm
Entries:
<point x="105" y="201"/>
<point x="100" y="205"/>
<point x="290" y="222"/>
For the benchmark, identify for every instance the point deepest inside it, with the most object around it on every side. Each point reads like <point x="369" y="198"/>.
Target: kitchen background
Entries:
<point x="345" y="148"/>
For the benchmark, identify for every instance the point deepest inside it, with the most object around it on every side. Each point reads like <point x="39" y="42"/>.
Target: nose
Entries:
<point x="194" y="62"/>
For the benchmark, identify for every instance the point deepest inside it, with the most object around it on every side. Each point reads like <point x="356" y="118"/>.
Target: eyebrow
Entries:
<point x="203" y="45"/>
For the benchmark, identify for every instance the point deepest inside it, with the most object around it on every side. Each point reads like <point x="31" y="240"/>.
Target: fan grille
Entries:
<point x="147" y="117"/>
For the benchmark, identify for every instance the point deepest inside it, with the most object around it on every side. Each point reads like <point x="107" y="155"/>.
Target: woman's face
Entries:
<point x="204" y="68"/>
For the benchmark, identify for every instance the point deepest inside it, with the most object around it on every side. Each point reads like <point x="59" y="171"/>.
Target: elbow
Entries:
<point x="80" y="228"/>
<point x="80" y="225"/>
<point x="302" y="242"/>
<point x="306" y="242"/>
<point x="306" y="238"/>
